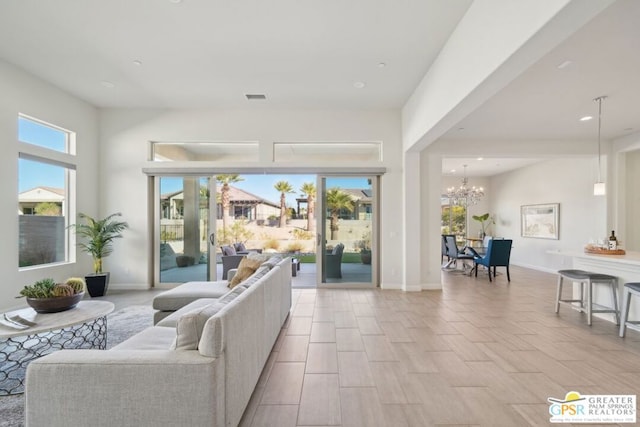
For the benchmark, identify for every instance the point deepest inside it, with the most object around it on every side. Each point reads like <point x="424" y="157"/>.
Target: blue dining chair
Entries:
<point x="497" y="255"/>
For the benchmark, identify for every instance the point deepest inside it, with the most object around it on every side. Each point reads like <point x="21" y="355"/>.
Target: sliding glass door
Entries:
<point x="348" y="224"/>
<point x="184" y="236"/>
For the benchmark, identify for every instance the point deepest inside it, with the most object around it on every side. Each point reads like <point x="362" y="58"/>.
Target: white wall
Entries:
<point x="22" y="93"/>
<point x="563" y="181"/>
<point x="125" y="136"/>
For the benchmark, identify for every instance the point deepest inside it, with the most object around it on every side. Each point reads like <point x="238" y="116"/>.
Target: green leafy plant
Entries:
<point x="364" y="245"/>
<point x="99" y="235"/>
<point x="485" y="220"/>
<point x="48" y="288"/>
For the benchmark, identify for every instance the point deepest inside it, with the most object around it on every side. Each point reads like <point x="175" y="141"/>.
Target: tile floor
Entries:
<point x="475" y="353"/>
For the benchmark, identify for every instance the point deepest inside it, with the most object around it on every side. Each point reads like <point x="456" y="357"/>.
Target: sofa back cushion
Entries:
<point x="231" y="295"/>
<point x="272" y="261"/>
<point x="191" y="324"/>
<point x="261" y="271"/>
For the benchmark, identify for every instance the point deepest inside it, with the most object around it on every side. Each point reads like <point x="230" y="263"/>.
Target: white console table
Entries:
<point x="625" y="267"/>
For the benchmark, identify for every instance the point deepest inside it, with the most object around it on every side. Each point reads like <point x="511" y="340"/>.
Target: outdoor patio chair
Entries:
<point x="229" y="262"/>
<point x="333" y="262"/>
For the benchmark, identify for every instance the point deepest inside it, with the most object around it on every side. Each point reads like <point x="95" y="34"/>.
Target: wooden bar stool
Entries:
<point x="630" y="289"/>
<point x="588" y="279"/>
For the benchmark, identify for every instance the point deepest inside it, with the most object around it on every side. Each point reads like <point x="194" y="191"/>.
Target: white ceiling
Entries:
<point x="309" y="54"/>
<point x="210" y="53"/>
<point x="479" y="166"/>
<point x="546" y="102"/>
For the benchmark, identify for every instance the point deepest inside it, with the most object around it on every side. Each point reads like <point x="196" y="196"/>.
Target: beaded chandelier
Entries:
<point x="465" y="195"/>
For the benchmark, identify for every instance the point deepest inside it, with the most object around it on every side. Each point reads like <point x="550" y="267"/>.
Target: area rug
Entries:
<point x="121" y="325"/>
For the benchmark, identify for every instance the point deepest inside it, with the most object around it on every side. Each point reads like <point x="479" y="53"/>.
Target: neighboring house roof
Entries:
<point x="359" y="194"/>
<point x="168" y="196"/>
<point x="236" y="196"/>
<point x="41" y="194"/>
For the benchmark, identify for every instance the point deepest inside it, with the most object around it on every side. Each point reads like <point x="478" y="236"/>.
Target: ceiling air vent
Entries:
<point x="252" y="96"/>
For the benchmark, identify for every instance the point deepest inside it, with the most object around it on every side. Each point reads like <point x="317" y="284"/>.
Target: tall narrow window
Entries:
<point x="454" y="219"/>
<point x="44" y="188"/>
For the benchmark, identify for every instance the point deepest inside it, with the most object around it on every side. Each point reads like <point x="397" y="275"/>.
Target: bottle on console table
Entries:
<point x="613" y="241"/>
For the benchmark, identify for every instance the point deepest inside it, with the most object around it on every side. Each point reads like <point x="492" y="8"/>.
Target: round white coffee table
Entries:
<point x="84" y="326"/>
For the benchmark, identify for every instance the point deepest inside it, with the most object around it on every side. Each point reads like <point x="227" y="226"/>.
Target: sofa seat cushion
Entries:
<point x="152" y="338"/>
<point x="171" y="321"/>
<point x="176" y="298"/>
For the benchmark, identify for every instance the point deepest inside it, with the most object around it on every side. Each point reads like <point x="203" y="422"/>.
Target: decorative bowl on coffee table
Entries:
<point x="55" y="304"/>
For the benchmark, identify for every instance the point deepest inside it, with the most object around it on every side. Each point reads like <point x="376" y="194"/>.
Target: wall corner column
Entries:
<point x="412" y="223"/>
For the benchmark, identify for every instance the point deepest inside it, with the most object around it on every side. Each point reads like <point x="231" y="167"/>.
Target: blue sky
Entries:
<point x="36" y="174"/>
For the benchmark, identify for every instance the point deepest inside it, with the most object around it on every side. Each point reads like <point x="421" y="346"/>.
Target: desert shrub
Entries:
<point x="300" y="234"/>
<point x="236" y="232"/>
<point x="271" y="243"/>
<point x="295" y="247"/>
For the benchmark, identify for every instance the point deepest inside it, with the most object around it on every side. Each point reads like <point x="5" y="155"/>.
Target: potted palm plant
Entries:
<point x="485" y="220"/>
<point x="98" y="236"/>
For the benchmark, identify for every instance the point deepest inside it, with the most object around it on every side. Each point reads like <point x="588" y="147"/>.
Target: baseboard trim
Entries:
<point x="129" y="286"/>
<point x="536" y="267"/>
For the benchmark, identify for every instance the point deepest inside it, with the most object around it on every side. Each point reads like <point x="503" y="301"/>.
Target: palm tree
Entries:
<point x="283" y="187"/>
<point x="309" y="189"/>
<point x="337" y="200"/>
<point x="225" y="180"/>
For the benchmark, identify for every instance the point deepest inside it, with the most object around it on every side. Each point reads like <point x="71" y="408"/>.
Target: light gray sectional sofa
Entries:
<point x="198" y="366"/>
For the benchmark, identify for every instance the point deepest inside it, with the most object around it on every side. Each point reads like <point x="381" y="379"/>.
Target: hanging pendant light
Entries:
<point x="465" y="195"/>
<point x="599" y="188"/>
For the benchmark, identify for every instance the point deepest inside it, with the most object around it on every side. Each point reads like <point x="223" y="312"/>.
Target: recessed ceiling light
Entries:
<point x="453" y="171"/>
<point x="255" y="96"/>
<point x="137" y="62"/>
<point x="381" y="64"/>
<point x="107" y="83"/>
<point x="359" y="85"/>
<point x="564" y="65"/>
<point x="480" y="158"/>
<point x="460" y="128"/>
<point x="586" y="118"/>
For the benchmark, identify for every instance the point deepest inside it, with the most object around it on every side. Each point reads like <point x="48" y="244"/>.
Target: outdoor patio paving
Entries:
<point x="305" y="278"/>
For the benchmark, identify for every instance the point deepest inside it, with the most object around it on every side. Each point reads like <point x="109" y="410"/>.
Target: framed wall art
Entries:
<point x="540" y="221"/>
